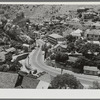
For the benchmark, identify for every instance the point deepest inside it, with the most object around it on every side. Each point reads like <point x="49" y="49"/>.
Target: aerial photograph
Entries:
<point x="49" y="46"/>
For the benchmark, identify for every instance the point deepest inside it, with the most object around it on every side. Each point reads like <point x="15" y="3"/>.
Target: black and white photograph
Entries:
<point x="49" y="46"/>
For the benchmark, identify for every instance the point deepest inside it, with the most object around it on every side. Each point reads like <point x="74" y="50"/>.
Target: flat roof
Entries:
<point x="91" y="68"/>
<point x="93" y="31"/>
<point x="55" y="35"/>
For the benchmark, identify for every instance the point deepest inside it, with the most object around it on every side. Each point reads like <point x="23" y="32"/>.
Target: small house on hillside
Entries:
<point x="91" y="70"/>
<point x="93" y="34"/>
<point x="77" y="33"/>
<point x="41" y="83"/>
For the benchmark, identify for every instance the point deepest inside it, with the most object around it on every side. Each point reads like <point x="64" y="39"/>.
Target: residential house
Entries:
<point x="75" y="20"/>
<point x="60" y="48"/>
<point x="96" y="25"/>
<point x="77" y="33"/>
<point x="91" y="70"/>
<point x="40" y="83"/>
<point x="81" y="9"/>
<point x="88" y="15"/>
<point x="93" y="34"/>
<point x="55" y="38"/>
<point x="67" y="32"/>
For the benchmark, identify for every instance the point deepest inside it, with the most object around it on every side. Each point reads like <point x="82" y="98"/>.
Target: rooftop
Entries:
<point x="61" y="45"/>
<point x="93" y="31"/>
<point x="10" y="50"/>
<point x="76" y="32"/>
<point x="55" y="35"/>
<point x="2" y="56"/>
<point x="91" y="68"/>
<point x="94" y="42"/>
<point x="40" y="83"/>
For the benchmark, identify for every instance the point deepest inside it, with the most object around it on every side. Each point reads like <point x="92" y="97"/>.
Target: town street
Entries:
<point x="38" y="62"/>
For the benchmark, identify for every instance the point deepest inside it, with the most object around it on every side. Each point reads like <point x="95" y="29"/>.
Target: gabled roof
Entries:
<point x="76" y="32"/>
<point x="61" y="45"/>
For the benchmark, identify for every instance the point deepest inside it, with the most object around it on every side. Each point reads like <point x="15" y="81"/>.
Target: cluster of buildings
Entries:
<point x="80" y="25"/>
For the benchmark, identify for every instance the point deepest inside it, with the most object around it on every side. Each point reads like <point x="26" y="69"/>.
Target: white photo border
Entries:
<point x="50" y="94"/>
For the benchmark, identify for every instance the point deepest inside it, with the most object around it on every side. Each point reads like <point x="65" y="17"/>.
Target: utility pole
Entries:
<point x="28" y="61"/>
<point x="62" y="66"/>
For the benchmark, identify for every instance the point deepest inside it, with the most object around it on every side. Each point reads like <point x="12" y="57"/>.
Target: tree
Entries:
<point x="70" y="38"/>
<point x="71" y="47"/>
<point x="52" y="57"/>
<point x="78" y="44"/>
<point x="4" y="20"/>
<point x="8" y="58"/>
<point x="15" y="66"/>
<point x="61" y="59"/>
<point x="79" y="64"/>
<point x="89" y="48"/>
<point x="65" y="81"/>
<point x="20" y="15"/>
<point x="4" y="68"/>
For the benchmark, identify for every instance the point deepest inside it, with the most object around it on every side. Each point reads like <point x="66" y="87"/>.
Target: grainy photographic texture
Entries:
<point x="49" y="46"/>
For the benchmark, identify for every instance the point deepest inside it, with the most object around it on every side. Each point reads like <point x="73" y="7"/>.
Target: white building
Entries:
<point x="76" y="33"/>
<point x="55" y="38"/>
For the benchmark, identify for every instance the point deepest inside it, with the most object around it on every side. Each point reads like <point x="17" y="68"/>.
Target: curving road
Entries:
<point x="84" y="79"/>
<point x="36" y="61"/>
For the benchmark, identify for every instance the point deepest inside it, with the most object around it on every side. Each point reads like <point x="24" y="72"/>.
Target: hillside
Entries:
<point x="41" y="12"/>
